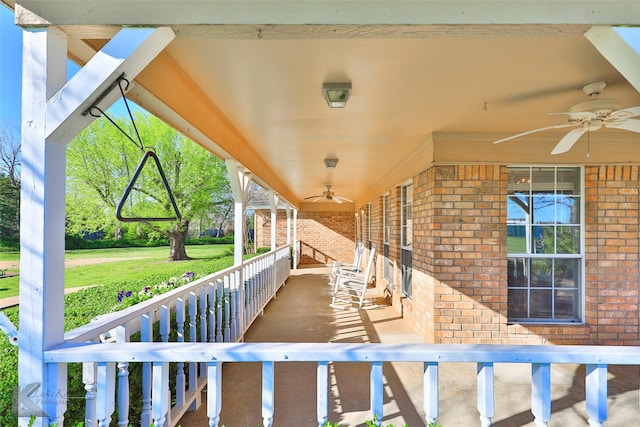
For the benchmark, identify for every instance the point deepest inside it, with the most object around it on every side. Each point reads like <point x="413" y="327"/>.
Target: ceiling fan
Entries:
<point x="589" y="116"/>
<point x="328" y="195"/>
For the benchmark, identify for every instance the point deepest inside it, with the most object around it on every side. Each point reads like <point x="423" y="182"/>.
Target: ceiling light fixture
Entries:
<point x="330" y="163"/>
<point x="336" y="94"/>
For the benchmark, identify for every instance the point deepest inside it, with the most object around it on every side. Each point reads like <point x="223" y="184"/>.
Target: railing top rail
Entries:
<point x="109" y="321"/>
<point x="341" y="352"/>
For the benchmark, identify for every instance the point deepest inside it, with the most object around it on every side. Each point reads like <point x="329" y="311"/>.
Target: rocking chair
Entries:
<point x="350" y="284"/>
<point x="345" y="266"/>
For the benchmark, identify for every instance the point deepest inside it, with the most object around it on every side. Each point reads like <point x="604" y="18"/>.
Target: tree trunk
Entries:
<point x="177" y="241"/>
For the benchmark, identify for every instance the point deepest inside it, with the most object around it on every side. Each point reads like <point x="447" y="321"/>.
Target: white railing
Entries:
<point x="214" y="309"/>
<point x="212" y="356"/>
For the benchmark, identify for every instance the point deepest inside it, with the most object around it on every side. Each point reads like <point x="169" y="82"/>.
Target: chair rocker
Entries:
<point x="353" y="284"/>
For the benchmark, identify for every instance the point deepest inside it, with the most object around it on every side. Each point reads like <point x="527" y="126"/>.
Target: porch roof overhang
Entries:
<point x="433" y="81"/>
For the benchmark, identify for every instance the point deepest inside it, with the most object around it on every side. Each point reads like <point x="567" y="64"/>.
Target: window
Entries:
<point x="385" y="219"/>
<point x="388" y="267"/>
<point x="369" y="221"/>
<point x="544" y="244"/>
<point x="406" y="238"/>
<point x="407" y="216"/>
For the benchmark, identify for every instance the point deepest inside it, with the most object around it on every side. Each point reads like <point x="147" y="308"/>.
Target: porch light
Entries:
<point x="336" y="94"/>
<point x="330" y="163"/>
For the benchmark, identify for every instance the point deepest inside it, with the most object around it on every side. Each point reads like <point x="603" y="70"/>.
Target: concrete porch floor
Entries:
<point x="301" y="313"/>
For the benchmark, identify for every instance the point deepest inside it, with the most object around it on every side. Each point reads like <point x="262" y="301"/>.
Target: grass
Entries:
<point x="137" y="265"/>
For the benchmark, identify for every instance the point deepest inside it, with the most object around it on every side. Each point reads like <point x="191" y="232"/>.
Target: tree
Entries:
<point x="101" y="161"/>
<point x="10" y="160"/>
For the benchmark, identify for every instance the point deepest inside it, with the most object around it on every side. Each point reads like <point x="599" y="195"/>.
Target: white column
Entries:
<point x="41" y="223"/>
<point x="288" y="212"/>
<point x="239" y="180"/>
<point x="295" y="239"/>
<point x="273" y="203"/>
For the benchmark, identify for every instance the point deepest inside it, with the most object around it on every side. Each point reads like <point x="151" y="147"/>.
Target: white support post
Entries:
<point x="288" y="212"/>
<point x="295" y="239"/>
<point x="42" y="213"/>
<point x="239" y="180"/>
<point x="273" y="204"/>
<point x="106" y="393"/>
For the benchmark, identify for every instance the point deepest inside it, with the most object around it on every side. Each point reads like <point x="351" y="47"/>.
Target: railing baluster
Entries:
<point x="89" y="378"/>
<point x="430" y="385"/>
<point x="146" y="335"/>
<point x="213" y="324"/>
<point x="214" y="393"/>
<point x="122" y="335"/>
<point x="541" y="393"/>
<point x="268" y="394"/>
<point x="322" y="384"/>
<point x="123" y="394"/>
<point x="219" y="312"/>
<point x="377" y="391"/>
<point x="227" y="315"/>
<point x="203" y="327"/>
<point x="596" y="394"/>
<point x="105" y="395"/>
<point x="165" y="325"/>
<point x="485" y="393"/>
<point x="161" y="395"/>
<point x="180" y="377"/>
<point x="193" y="337"/>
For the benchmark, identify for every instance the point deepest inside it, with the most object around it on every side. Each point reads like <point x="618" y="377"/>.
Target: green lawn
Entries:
<point x="137" y="264"/>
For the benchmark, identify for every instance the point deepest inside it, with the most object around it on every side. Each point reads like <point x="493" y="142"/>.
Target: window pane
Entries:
<point x="567" y="273"/>
<point x="518" y="272"/>
<point x="541" y="272"/>
<point x="543" y="208"/>
<point x="567" y="210"/>
<point x="516" y="239"/>
<point x="568" y="240"/>
<point x="518" y="303"/>
<point x="566" y="304"/>
<point x="541" y="303"/>
<point x="544" y="239"/>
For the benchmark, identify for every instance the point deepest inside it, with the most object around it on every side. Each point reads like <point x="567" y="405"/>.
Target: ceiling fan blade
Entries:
<point x="626" y="113"/>
<point x="340" y="199"/>
<point x="632" y="125"/>
<point x="564" y="125"/>
<point x="577" y="115"/>
<point x="569" y="140"/>
<point x="315" y="198"/>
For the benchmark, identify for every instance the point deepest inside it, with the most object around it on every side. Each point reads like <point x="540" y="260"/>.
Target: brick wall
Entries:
<point x="324" y="236"/>
<point x="612" y="245"/>
<point x="460" y="249"/>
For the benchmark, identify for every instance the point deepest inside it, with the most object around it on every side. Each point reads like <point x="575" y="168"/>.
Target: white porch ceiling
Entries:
<point x="433" y="81"/>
